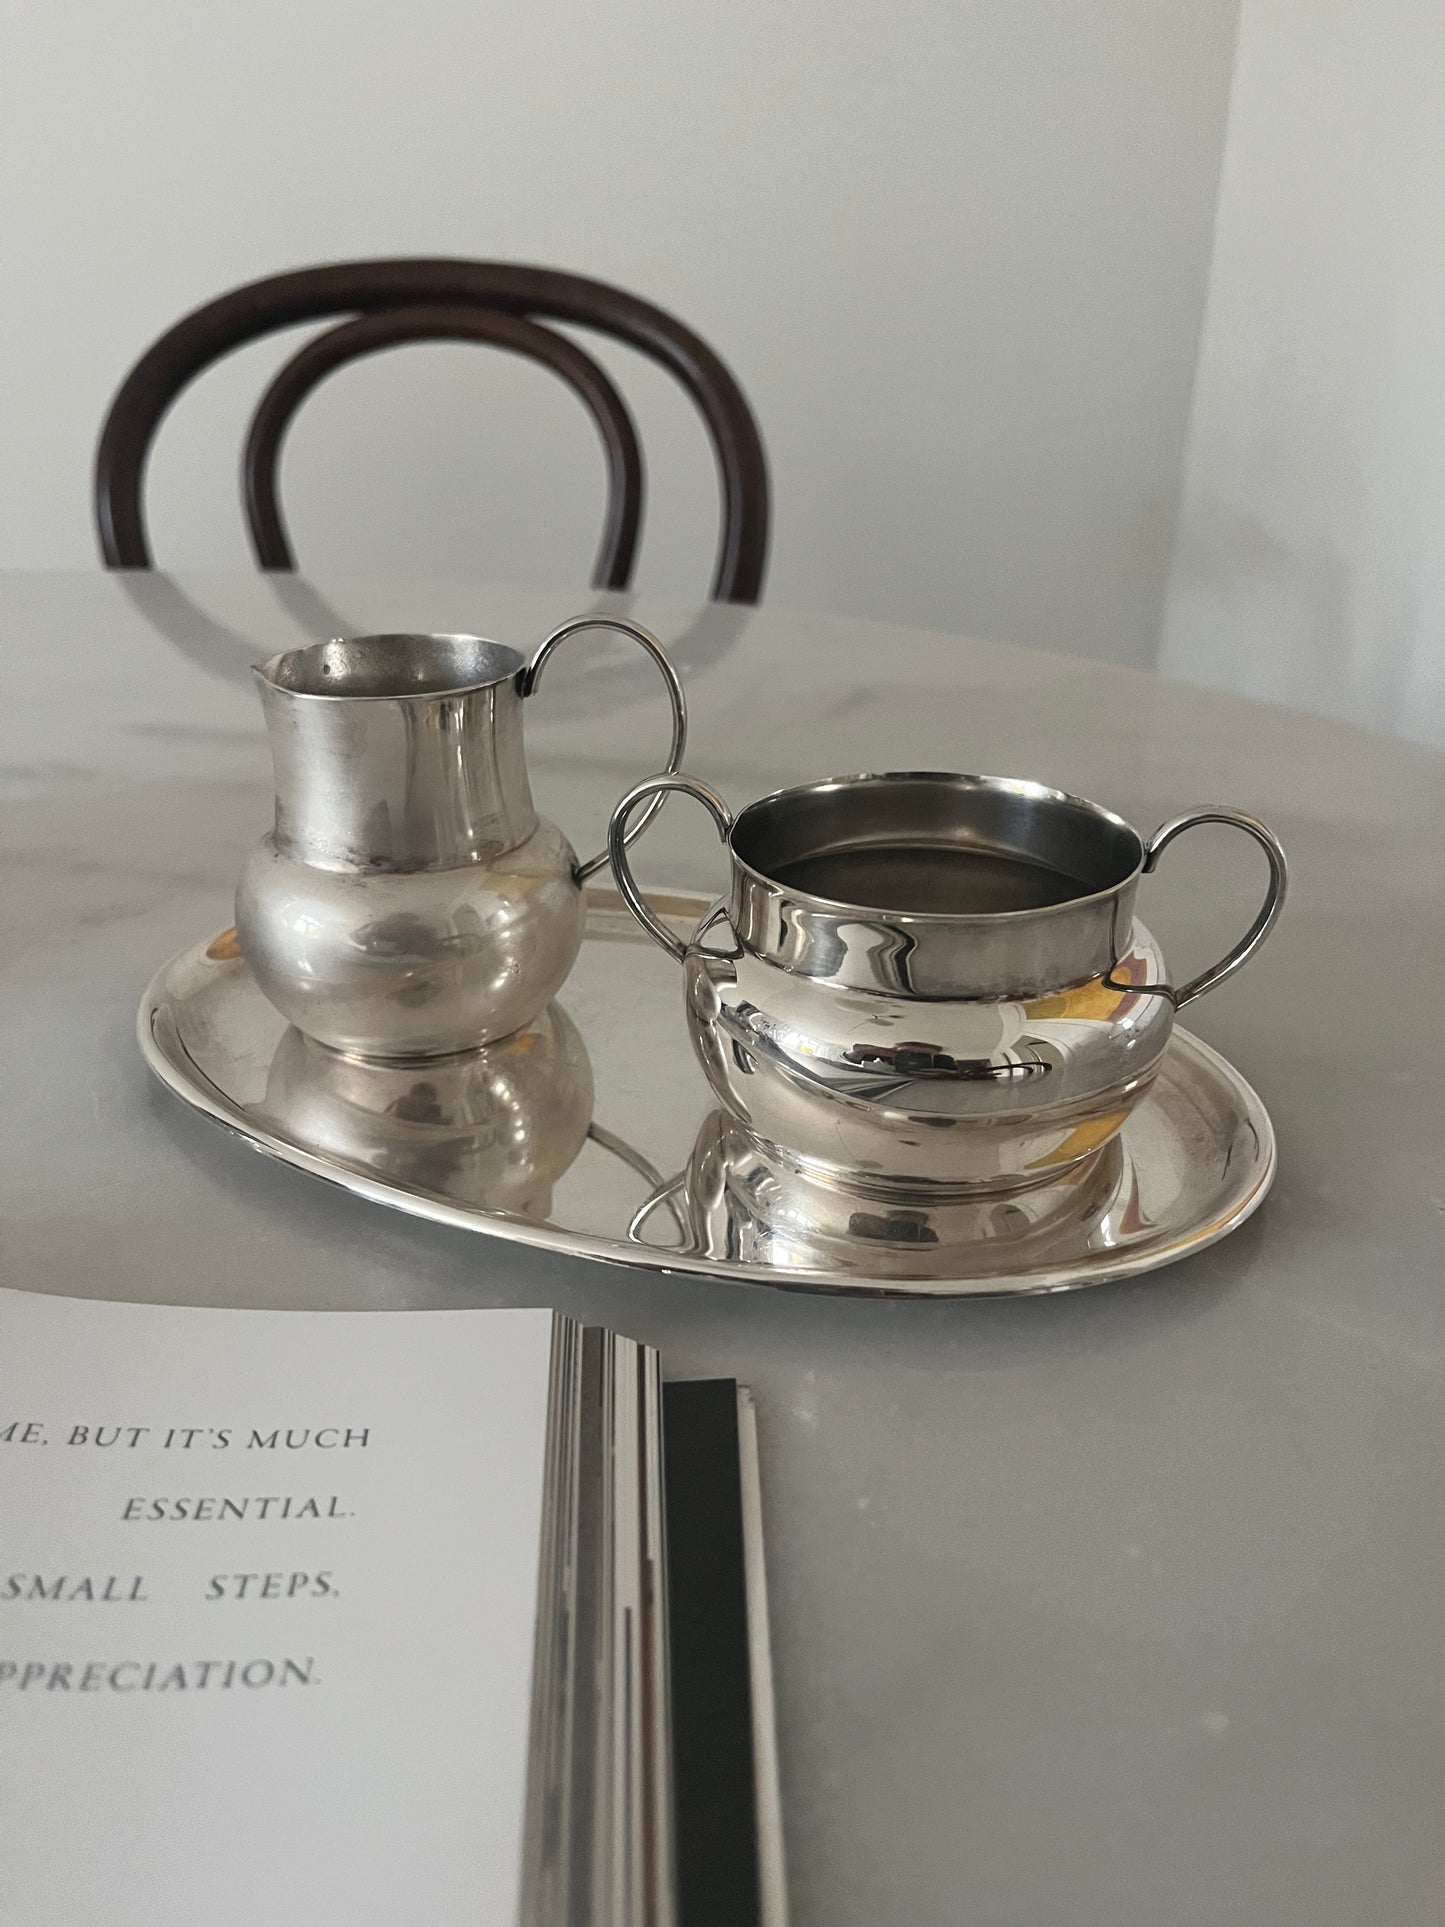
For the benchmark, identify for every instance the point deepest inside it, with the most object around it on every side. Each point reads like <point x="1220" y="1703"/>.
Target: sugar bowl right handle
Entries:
<point x="1269" y="912"/>
<point x="657" y="787"/>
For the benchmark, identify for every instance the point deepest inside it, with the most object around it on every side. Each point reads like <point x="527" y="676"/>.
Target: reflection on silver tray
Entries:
<point x="591" y="1132"/>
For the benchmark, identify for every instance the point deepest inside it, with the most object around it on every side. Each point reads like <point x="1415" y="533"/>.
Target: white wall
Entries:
<point x="1311" y="558"/>
<point x="955" y="250"/>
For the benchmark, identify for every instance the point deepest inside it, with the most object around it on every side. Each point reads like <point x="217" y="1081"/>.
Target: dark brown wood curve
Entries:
<point x="390" y="328"/>
<point x="366" y="287"/>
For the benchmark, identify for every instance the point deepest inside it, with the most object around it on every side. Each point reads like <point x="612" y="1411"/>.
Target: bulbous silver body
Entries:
<point x="415" y="962"/>
<point x="410" y="901"/>
<point x="964" y="1093"/>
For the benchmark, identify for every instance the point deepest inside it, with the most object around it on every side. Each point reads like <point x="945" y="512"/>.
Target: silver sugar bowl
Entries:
<point x="410" y="901"/>
<point x="931" y="981"/>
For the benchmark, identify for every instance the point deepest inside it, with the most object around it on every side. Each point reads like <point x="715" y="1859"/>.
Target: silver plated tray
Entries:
<point x="592" y="1132"/>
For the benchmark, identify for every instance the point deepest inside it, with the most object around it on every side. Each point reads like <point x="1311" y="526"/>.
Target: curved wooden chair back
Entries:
<point x="389" y="328"/>
<point x="387" y="303"/>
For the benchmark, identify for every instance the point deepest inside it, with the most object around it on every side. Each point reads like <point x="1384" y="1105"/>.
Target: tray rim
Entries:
<point x="197" y="1091"/>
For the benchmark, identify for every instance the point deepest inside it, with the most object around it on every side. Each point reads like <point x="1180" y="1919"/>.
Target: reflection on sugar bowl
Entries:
<point x="494" y="1127"/>
<point x="741" y="1201"/>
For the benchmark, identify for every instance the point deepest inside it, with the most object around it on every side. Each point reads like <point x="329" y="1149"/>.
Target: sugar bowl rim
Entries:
<point x="1009" y="785"/>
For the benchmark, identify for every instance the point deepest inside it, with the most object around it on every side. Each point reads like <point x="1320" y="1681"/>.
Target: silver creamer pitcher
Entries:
<point x="410" y="901"/>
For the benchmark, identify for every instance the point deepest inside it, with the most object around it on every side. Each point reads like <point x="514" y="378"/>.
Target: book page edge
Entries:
<point x="772" y="1867"/>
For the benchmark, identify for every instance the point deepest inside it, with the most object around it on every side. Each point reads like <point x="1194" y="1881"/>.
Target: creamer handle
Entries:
<point x="619" y="836"/>
<point x="531" y="675"/>
<point x="1269" y="911"/>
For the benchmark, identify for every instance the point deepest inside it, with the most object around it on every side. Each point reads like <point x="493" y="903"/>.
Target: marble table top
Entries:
<point x="1109" y="1610"/>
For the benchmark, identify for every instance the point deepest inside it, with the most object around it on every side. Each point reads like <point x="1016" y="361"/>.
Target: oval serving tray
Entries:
<point x="592" y="1132"/>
